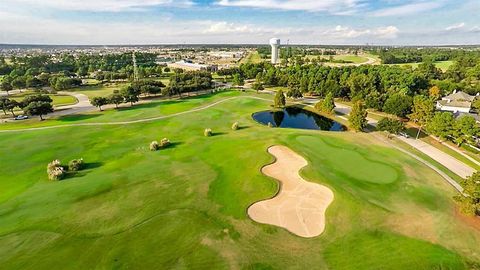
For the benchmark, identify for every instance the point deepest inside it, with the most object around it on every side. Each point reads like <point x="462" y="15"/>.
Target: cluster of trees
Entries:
<point x="31" y="105"/>
<point x="391" y="89"/>
<point x="461" y="130"/>
<point x="65" y="71"/>
<point x="413" y="55"/>
<point x="129" y="94"/>
<point x="34" y="80"/>
<point x="184" y="82"/>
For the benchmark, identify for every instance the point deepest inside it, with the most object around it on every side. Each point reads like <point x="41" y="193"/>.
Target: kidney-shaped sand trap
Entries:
<point x="299" y="205"/>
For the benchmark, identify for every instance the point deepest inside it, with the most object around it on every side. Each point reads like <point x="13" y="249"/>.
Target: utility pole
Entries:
<point x="135" y="68"/>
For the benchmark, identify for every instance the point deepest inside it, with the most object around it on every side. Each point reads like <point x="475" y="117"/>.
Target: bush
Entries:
<point x="154" y="146"/>
<point x="164" y="143"/>
<point x="55" y="170"/>
<point x="76" y="165"/>
<point x="208" y="132"/>
<point x="235" y="126"/>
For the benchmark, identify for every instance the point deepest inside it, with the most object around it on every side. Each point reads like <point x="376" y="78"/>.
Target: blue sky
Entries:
<point x="103" y="22"/>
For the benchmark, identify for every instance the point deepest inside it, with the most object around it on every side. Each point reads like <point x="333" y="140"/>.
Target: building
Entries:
<point x="275" y="43"/>
<point x="225" y="54"/>
<point x="456" y="102"/>
<point x="190" y="66"/>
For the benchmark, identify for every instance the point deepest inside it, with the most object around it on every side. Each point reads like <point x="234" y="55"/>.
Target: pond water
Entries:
<point x="294" y="117"/>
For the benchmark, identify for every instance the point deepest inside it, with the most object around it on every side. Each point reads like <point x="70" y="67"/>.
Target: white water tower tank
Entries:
<point x="275" y="43"/>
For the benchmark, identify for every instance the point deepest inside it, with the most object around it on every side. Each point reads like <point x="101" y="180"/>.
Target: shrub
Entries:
<point x="154" y="146"/>
<point x="208" y="132"/>
<point x="55" y="170"/>
<point x="76" y="165"/>
<point x="235" y="126"/>
<point x="164" y="143"/>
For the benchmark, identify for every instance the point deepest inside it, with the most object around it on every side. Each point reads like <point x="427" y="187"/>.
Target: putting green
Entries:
<point x="185" y="207"/>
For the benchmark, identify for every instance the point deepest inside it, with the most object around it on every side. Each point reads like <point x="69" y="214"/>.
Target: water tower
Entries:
<point x="275" y="43"/>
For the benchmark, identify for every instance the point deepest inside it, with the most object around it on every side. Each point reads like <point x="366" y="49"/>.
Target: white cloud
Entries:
<point x="454" y="27"/>
<point x="344" y="32"/>
<point x="475" y="29"/>
<point x="407" y="9"/>
<point x="226" y="27"/>
<point x="332" y="6"/>
<point x="100" y="5"/>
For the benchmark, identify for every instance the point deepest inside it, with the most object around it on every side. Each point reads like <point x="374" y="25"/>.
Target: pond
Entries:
<point x="295" y="117"/>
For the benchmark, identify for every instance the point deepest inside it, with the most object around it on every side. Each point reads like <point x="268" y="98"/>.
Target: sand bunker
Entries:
<point x="299" y="206"/>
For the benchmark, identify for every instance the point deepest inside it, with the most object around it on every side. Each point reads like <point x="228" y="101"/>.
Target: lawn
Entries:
<point x="443" y="65"/>
<point x="252" y="58"/>
<point x="185" y="206"/>
<point x="99" y="90"/>
<point x="356" y="59"/>
<point x="58" y="100"/>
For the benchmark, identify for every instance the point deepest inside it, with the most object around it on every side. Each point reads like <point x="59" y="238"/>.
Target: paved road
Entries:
<point x="3" y="93"/>
<point x="453" y="164"/>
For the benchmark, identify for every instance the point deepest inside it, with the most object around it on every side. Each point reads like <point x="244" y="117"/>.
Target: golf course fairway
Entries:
<point x="185" y="207"/>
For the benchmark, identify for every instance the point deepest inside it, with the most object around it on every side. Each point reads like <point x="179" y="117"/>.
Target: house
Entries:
<point x="456" y="102"/>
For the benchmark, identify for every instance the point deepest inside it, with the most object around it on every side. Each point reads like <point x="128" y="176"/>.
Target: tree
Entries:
<point x="238" y="80"/>
<point x="465" y="128"/>
<point x="6" y="86"/>
<point x="398" y="104"/>
<point x="99" y="102"/>
<point x="10" y="105"/>
<point x="19" y="83"/>
<point x="130" y="94"/>
<point x="476" y="104"/>
<point x="470" y="204"/>
<point x="279" y="100"/>
<point x="441" y="125"/>
<point x="39" y="108"/>
<point x="358" y="116"/>
<point x="393" y="126"/>
<point x="327" y="105"/>
<point x="34" y="98"/>
<point x="434" y="92"/>
<point x="422" y="111"/>
<point x="116" y="99"/>
<point x="375" y="100"/>
<point x="257" y="86"/>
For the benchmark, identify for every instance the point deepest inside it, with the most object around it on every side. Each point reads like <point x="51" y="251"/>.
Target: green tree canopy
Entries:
<point x="279" y="99"/>
<point x="358" y="116"/>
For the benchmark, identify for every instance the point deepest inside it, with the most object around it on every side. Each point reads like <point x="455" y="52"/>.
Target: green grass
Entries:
<point x="99" y="90"/>
<point x="356" y="59"/>
<point x="89" y="82"/>
<point x="252" y="58"/>
<point x="443" y="65"/>
<point x="58" y="100"/>
<point x="185" y="206"/>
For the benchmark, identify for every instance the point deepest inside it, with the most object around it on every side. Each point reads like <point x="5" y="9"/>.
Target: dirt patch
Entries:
<point x="299" y="205"/>
<point x="469" y="220"/>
